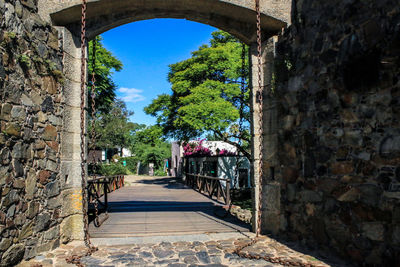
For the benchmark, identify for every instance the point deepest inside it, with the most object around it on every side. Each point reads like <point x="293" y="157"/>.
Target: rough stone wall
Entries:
<point x="338" y="88"/>
<point x="234" y="16"/>
<point x="30" y="117"/>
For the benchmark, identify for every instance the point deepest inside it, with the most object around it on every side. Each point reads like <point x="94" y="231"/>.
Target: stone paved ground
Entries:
<point x="182" y="254"/>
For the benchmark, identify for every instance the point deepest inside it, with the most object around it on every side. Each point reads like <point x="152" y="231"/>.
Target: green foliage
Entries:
<point x="149" y="146"/>
<point x="155" y="154"/>
<point x="113" y="129"/>
<point x="11" y="35"/>
<point x="131" y="163"/>
<point x="244" y="203"/>
<point x="59" y="75"/>
<point x="151" y="135"/>
<point x="25" y="60"/>
<point x="8" y="39"/>
<point x="106" y="63"/>
<point x="112" y="169"/>
<point x="111" y="123"/>
<point x="112" y="126"/>
<point x="213" y="137"/>
<point x="206" y="93"/>
<point x="160" y="172"/>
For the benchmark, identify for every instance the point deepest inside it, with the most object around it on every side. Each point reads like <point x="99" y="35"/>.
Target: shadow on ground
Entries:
<point x="216" y="212"/>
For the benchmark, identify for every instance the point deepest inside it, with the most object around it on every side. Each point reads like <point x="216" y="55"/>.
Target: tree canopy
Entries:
<point x="206" y="94"/>
<point x="113" y="129"/>
<point x="105" y="64"/>
<point x="149" y="146"/>
<point x="112" y="126"/>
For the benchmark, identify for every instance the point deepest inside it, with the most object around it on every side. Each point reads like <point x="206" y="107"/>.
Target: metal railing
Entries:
<point x="210" y="186"/>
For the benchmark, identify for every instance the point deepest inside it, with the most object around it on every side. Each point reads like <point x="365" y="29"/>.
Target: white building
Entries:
<point x="222" y="166"/>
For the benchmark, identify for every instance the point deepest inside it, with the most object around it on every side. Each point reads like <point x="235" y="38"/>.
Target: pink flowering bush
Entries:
<point x="225" y="152"/>
<point x="196" y="149"/>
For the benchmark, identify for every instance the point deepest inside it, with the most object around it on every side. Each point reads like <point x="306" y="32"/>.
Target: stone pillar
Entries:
<point x="72" y="226"/>
<point x="270" y="210"/>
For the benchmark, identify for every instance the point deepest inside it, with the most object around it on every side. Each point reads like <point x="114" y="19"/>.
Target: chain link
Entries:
<point x="76" y="259"/>
<point x="260" y="117"/>
<point x="83" y="122"/>
<point x="259" y="99"/>
<point x="241" y="115"/>
<point x="93" y="124"/>
<point x="93" y="97"/>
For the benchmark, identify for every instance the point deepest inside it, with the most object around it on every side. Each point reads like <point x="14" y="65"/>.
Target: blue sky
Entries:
<point x="146" y="48"/>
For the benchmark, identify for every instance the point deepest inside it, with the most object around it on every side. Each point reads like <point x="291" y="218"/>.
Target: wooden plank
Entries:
<point x="162" y="207"/>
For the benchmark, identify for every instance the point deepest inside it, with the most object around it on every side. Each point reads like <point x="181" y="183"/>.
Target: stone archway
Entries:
<point x="234" y="16"/>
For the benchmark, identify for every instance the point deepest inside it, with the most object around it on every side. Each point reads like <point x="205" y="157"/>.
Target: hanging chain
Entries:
<point x="76" y="259"/>
<point x="241" y="112"/>
<point x="260" y="117"/>
<point x="83" y="122"/>
<point x="93" y="97"/>
<point x="259" y="99"/>
<point x="242" y="90"/>
<point x="93" y="131"/>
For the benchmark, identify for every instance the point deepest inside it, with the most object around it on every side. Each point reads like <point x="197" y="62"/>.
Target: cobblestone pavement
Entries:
<point x="182" y="254"/>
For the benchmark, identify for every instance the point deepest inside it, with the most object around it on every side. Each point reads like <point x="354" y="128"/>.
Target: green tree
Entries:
<point x="153" y="154"/>
<point x="151" y="135"/>
<point x="149" y="146"/>
<point x="113" y="129"/>
<point x="206" y="94"/>
<point x="105" y="65"/>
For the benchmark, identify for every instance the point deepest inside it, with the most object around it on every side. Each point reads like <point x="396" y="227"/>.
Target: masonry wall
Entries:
<point x="31" y="122"/>
<point x="337" y="85"/>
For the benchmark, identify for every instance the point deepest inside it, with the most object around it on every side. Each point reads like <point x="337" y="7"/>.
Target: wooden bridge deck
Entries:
<point x="162" y="207"/>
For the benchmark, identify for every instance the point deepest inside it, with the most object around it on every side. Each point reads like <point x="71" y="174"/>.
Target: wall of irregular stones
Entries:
<point x="30" y="118"/>
<point x="337" y="83"/>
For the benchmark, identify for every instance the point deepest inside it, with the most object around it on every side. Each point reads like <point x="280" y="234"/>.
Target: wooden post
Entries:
<point x="219" y="190"/>
<point x="105" y="195"/>
<point x="228" y="192"/>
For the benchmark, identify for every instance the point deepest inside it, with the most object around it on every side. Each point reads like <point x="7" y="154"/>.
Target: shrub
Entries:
<point x="131" y="163"/>
<point x="160" y="172"/>
<point x="113" y="169"/>
<point x="196" y="149"/>
<point x="225" y="152"/>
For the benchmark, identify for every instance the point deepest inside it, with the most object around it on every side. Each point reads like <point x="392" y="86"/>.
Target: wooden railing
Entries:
<point x="210" y="186"/>
<point x="99" y="187"/>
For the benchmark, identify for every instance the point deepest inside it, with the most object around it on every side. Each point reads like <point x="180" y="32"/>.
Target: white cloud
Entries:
<point x="131" y="94"/>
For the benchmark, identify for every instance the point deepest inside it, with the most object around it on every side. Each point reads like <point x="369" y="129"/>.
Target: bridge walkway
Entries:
<point x="149" y="206"/>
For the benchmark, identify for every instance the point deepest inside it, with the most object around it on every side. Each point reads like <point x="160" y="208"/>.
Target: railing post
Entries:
<point x="219" y="190"/>
<point x="105" y="195"/>
<point x="228" y="192"/>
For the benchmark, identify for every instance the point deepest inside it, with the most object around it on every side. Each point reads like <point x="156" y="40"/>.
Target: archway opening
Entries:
<point x="147" y="202"/>
<point x="237" y="19"/>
